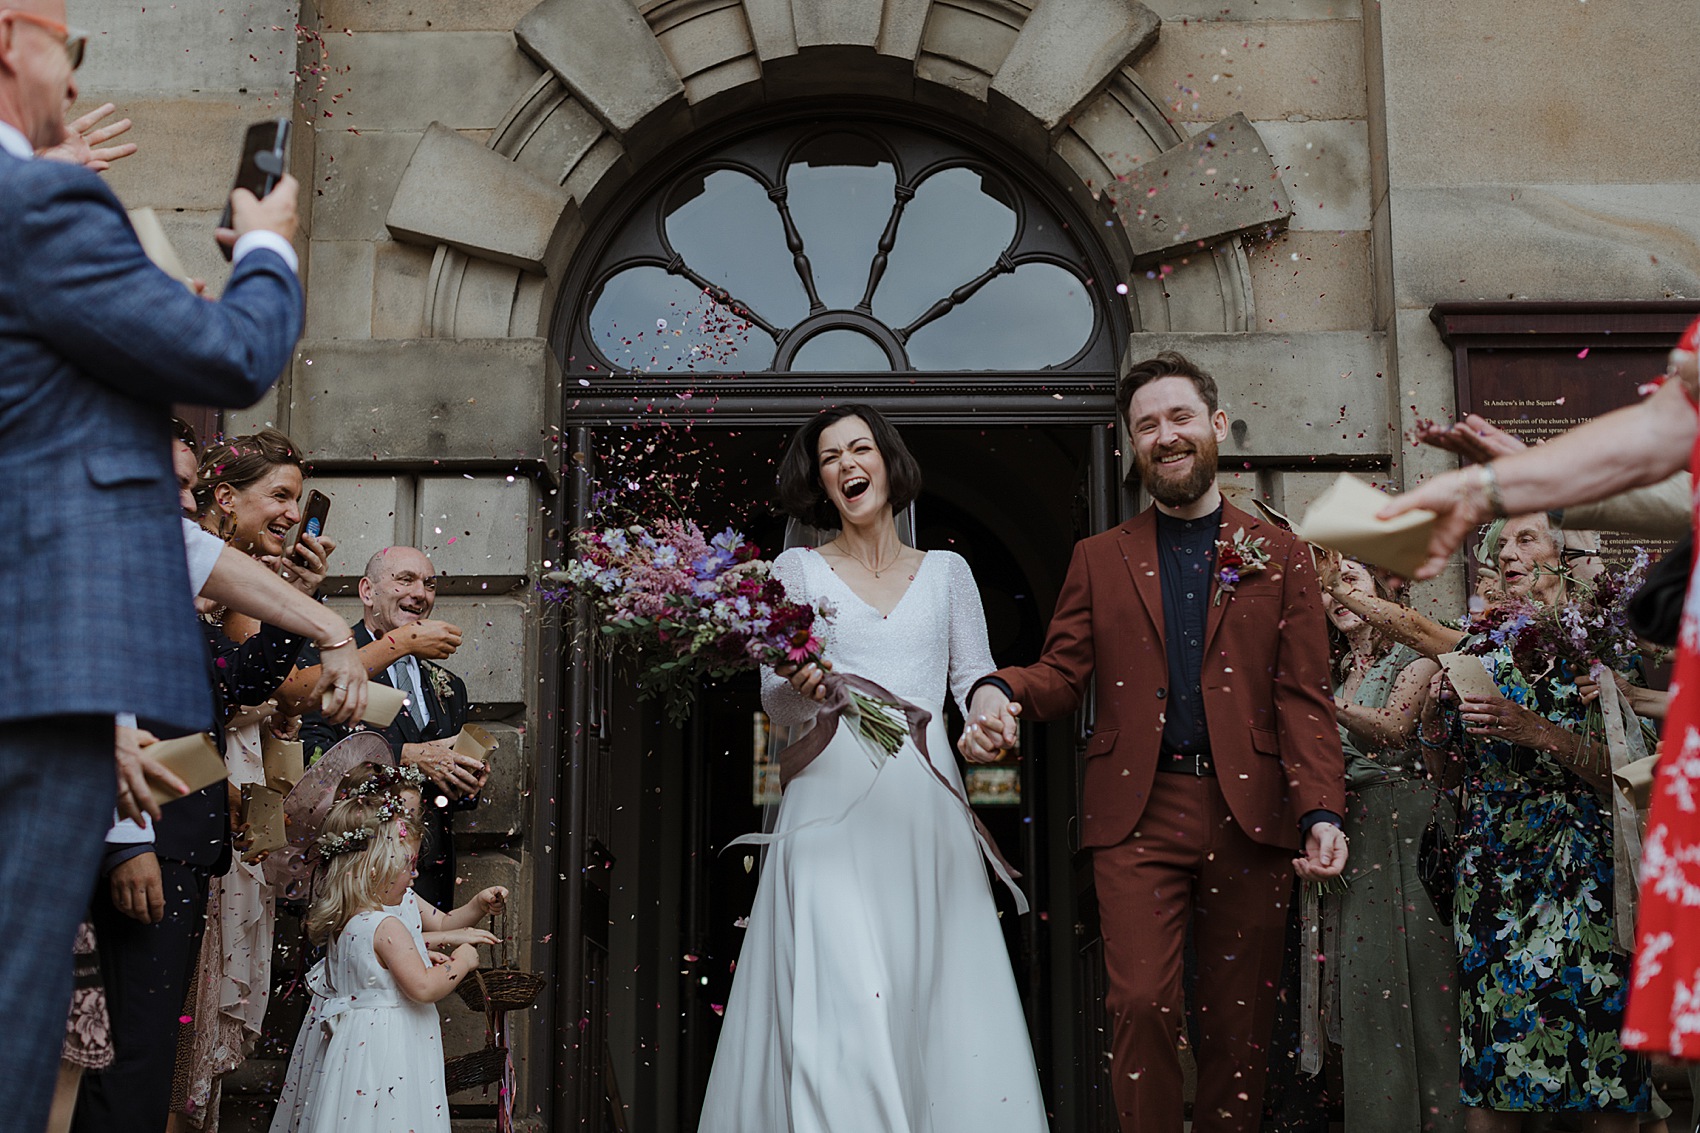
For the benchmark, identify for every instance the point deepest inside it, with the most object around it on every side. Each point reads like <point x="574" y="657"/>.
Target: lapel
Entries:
<point x="1233" y="519"/>
<point x="1138" y="543"/>
<point x="403" y="726"/>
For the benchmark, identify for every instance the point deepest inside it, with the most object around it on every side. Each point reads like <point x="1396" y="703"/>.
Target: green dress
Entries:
<point x="1397" y="1006"/>
<point x="1541" y="989"/>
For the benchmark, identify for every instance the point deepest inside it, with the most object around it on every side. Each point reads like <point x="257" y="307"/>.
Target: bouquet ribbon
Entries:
<point x="840" y="689"/>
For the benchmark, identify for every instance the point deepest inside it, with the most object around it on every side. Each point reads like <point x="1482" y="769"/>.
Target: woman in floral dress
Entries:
<point x="1542" y="989"/>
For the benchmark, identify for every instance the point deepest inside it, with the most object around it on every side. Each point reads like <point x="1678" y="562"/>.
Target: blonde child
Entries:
<point x="369" y="1058"/>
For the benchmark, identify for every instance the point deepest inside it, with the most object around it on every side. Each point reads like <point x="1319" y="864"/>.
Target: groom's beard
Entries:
<point x="1178" y="490"/>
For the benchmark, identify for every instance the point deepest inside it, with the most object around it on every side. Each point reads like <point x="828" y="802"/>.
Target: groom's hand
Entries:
<point x="991" y="729"/>
<point x="1325" y="853"/>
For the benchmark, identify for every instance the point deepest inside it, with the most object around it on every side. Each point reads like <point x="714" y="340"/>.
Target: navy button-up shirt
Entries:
<point x="1186" y="554"/>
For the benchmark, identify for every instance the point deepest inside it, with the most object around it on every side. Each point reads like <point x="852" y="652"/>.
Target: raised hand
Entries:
<point x="430" y="639"/>
<point x="275" y="213"/>
<point x="494" y="900"/>
<point x="1474" y="438"/>
<point x="86" y="146"/>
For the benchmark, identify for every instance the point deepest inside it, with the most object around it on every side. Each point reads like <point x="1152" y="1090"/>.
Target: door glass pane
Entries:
<point x="841" y="349"/>
<point x="648" y="320"/>
<point x="729" y="232"/>
<point x="1038" y="315"/>
<point x="842" y="188"/>
<point x="951" y="233"/>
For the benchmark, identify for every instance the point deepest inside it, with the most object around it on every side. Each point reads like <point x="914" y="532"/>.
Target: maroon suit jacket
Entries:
<point x="1267" y="699"/>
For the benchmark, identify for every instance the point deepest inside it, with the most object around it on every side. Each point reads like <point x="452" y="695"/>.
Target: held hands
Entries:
<point x="136" y="770"/>
<point x="993" y="726"/>
<point x="275" y="213"/>
<point x="1325" y="853"/>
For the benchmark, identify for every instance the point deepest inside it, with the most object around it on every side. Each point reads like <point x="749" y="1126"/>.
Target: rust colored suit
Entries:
<point x="1169" y="848"/>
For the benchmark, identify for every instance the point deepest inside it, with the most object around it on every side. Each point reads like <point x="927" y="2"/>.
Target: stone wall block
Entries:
<point x="608" y="57"/>
<point x="459" y="193"/>
<point x="428" y="401"/>
<point x="500" y="815"/>
<point x="493" y="658"/>
<point x="1066" y="54"/>
<point x="1266" y="70"/>
<point x="560" y="133"/>
<point x="478" y="525"/>
<point x="398" y="80"/>
<point x="249" y="46"/>
<point x="339" y="288"/>
<point x="1325" y="166"/>
<point x="355" y="178"/>
<point x="398" y="290"/>
<point x="188" y="146"/>
<point x="1217" y="184"/>
<point x="902" y="27"/>
<point x="771" y="28"/>
<point x="367" y="514"/>
<point x="1318" y="394"/>
<point x="1196" y="11"/>
<point x="837" y="23"/>
<point x="708" y="42"/>
<point x="410" y="15"/>
<point x="1312" y="281"/>
<point x="962" y="48"/>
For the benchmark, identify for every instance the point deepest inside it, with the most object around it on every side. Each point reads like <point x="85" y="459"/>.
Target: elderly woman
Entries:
<point x="1541" y="988"/>
<point x="1395" y="975"/>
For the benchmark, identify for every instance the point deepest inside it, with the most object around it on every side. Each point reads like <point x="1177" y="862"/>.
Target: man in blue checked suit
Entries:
<point x="95" y="613"/>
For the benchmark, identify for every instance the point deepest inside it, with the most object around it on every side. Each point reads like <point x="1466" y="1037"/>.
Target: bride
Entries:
<point x="872" y="994"/>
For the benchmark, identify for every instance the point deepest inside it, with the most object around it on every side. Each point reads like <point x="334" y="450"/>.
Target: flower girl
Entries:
<point x="369" y="1058"/>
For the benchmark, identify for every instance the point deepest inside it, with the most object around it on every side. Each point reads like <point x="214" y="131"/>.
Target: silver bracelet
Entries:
<point x="1489" y="481"/>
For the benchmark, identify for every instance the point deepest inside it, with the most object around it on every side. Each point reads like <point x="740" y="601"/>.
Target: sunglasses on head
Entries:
<point x="76" y="42"/>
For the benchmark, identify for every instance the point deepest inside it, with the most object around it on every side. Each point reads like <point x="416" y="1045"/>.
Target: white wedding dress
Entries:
<point x="874" y="992"/>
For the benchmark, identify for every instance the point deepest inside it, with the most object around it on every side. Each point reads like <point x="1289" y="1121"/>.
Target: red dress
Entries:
<point x="1664" y="998"/>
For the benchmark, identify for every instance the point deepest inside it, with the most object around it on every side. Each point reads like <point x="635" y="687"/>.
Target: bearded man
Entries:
<point x="1215" y="757"/>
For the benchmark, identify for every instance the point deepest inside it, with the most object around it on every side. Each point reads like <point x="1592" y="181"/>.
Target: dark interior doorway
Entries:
<point x="1012" y="501"/>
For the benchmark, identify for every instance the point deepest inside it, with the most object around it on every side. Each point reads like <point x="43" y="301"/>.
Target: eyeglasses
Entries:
<point x="75" y="41"/>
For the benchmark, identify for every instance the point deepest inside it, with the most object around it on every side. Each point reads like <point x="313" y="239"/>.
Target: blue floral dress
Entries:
<point x="1542" y="991"/>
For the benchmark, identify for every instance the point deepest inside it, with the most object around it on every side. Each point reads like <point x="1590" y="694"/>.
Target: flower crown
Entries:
<point x="385" y="783"/>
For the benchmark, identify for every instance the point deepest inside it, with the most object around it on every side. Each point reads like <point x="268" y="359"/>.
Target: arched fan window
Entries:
<point x="842" y="248"/>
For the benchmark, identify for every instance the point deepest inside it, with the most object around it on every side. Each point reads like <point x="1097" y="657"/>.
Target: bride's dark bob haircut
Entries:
<point x="800" y="493"/>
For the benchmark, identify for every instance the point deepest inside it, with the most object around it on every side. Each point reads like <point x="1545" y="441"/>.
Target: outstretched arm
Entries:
<point x="1630" y="447"/>
<point x="1394" y="725"/>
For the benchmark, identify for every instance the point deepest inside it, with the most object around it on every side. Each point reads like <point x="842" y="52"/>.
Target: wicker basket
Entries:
<point x="484" y="1067"/>
<point x="502" y="987"/>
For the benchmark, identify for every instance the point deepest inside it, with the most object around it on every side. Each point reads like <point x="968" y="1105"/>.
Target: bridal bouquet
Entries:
<point x="682" y="605"/>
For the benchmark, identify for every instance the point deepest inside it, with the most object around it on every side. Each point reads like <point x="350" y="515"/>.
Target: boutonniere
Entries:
<point x="440" y="683"/>
<point x="1236" y="558"/>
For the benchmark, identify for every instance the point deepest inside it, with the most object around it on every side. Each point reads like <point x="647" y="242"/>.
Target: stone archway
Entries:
<point x="621" y="85"/>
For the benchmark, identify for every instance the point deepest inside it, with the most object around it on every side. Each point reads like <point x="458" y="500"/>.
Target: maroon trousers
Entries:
<point x="1189" y="859"/>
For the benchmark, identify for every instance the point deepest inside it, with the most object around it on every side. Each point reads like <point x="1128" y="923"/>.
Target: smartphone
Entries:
<point x="265" y="159"/>
<point x="313" y="518"/>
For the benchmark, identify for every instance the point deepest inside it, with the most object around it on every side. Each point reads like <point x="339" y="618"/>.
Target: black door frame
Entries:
<point x="567" y="1071"/>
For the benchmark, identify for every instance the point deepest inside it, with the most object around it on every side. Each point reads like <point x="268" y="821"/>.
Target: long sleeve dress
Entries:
<point x="873" y="993"/>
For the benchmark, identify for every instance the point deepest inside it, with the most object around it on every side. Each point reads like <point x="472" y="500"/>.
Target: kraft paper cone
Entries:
<point x="476" y="742"/>
<point x="193" y="759"/>
<point x="157" y="245"/>
<point x="1636" y="779"/>
<point x="1343" y="519"/>
<point x="1469" y="676"/>
<point x="262" y="810"/>
<point x="285" y="762"/>
<point x="382" y="704"/>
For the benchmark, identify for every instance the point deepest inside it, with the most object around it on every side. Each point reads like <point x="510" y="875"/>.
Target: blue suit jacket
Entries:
<point x="95" y="345"/>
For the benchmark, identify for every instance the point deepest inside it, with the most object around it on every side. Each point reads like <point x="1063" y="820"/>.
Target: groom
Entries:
<point x="1215" y="755"/>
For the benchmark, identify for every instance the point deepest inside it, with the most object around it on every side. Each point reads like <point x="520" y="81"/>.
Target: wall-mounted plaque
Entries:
<point x="1537" y="369"/>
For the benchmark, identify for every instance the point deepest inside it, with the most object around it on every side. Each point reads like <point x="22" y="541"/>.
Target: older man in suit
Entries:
<point x="95" y="614"/>
<point x="398" y="591"/>
<point x="1214" y="757"/>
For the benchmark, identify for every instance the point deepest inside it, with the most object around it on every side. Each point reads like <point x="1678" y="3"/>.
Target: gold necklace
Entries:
<point x="873" y="570"/>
